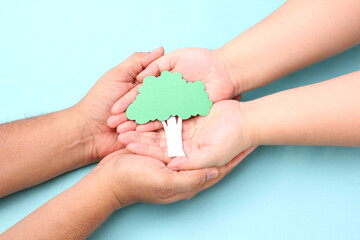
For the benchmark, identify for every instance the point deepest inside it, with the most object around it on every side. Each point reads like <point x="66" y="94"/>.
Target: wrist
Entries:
<point x="250" y="122"/>
<point x="235" y="69"/>
<point x="115" y="187"/>
<point x="80" y="139"/>
<point x="95" y="187"/>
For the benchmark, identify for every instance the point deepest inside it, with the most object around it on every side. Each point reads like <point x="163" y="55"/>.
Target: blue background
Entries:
<point x="51" y="53"/>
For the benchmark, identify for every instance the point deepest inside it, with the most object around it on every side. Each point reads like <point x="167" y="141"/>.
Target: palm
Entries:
<point x="208" y="137"/>
<point x="196" y="64"/>
<point x="139" y="178"/>
<point x="208" y="141"/>
<point x="97" y="106"/>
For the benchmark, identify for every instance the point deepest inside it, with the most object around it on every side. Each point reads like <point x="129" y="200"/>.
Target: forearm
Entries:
<point x="73" y="214"/>
<point x="36" y="149"/>
<point x="325" y="113"/>
<point x="298" y="34"/>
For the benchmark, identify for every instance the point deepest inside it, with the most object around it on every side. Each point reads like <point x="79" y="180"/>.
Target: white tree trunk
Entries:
<point x="173" y="132"/>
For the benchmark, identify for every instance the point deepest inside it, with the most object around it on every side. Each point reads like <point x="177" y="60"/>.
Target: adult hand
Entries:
<point x="208" y="141"/>
<point x="95" y="108"/>
<point x="133" y="178"/>
<point x="119" y="180"/>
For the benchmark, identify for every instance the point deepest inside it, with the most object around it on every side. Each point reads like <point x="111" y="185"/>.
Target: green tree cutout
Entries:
<point x="165" y="97"/>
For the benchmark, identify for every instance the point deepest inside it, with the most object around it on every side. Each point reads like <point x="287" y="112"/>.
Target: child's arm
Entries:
<point x="326" y="113"/>
<point x="298" y="34"/>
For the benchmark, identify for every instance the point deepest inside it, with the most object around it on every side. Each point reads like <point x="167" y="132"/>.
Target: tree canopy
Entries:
<point x="168" y="95"/>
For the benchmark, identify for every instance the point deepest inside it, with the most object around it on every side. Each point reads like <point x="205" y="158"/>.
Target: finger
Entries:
<point x="187" y="132"/>
<point x="157" y="134"/>
<point x="200" y="158"/>
<point x="223" y="171"/>
<point x="136" y="137"/>
<point x="136" y="63"/>
<point x="126" y="127"/>
<point x="195" y="159"/>
<point x="233" y="163"/>
<point x="227" y="168"/>
<point x="150" y="126"/>
<point x="115" y="120"/>
<point x="187" y="181"/>
<point x="156" y="67"/>
<point x="149" y="150"/>
<point x="123" y="103"/>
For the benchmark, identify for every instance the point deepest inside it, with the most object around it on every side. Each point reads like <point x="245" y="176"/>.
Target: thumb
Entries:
<point x="136" y="63"/>
<point x="187" y="181"/>
<point x="156" y="67"/>
<point x="195" y="160"/>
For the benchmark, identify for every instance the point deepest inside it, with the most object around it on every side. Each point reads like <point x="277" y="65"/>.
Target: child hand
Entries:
<point x="196" y="64"/>
<point x="208" y="141"/>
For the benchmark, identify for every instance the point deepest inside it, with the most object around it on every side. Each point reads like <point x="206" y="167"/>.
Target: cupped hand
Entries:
<point x="133" y="178"/>
<point x="208" y="141"/>
<point x="95" y="108"/>
<point x="196" y="64"/>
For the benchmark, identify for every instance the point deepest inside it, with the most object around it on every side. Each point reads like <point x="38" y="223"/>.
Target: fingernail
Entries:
<point x="212" y="174"/>
<point x="174" y="168"/>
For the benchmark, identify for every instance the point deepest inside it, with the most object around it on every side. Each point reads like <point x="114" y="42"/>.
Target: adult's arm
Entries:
<point x="36" y="149"/>
<point x="113" y="184"/>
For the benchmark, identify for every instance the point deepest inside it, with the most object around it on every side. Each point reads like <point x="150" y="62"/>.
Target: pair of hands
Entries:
<point x="208" y="141"/>
<point x="131" y="177"/>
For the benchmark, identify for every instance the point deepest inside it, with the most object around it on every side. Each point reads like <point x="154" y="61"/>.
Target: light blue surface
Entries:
<point x="52" y="53"/>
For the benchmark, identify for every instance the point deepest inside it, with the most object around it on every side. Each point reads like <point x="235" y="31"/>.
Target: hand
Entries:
<point x="93" y="110"/>
<point x="208" y="141"/>
<point x="133" y="178"/>
<point x="195" y="64"/>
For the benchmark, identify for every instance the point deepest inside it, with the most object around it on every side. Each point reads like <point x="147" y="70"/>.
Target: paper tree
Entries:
<point x="165" y="97"/>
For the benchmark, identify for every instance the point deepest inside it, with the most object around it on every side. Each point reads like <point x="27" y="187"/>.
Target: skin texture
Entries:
<point x="325" y="113"/>
<point x="37" y="149"/>
<point x="119" y="180"/>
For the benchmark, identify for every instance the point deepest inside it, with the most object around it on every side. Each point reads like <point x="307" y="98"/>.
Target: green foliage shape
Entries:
<point x="168" y="95"/>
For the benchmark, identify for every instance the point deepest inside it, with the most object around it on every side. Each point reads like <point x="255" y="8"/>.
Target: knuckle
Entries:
<point x="136" y="55"/>
<point x="165" y="194"/>
<point x="196" y="181"/>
